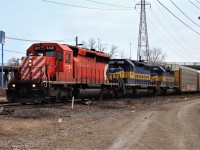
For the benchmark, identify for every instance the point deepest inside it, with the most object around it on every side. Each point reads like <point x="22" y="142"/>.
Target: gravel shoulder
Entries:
<point x="3" y="99"/>
<point x="145" y="123"/>
<point x="172" y="127"/>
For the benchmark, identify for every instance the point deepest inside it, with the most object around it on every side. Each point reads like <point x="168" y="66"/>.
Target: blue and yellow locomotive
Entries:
<point x="163" y="80"/>
<point x="140" y="77"/>
<point x="133" y="76"/>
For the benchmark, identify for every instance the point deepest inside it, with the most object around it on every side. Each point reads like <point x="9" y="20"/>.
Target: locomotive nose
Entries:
<point x="33" y="67"/>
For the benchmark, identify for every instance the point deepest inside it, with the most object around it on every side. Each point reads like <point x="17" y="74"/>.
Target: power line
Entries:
<point x="109" y="4"/>
<point x="65" y="40"/>
<point x="183" y="13"/>
<point x="178" y="32"/>
<point x="164" y="40"/>
<point x="167" y="42"/>
<point x="18" y="39"/>
<point x="198" y="1"/>
<point x="13" y="51"/>
<point x="194" y="4"/>
<point x="78" y="6"/>
<point x="178" y="18"/>
<point x="173" y="38"/>
<point x="38" y="41"/>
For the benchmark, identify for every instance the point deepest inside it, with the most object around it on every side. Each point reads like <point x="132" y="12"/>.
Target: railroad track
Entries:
<point x="8" y="105"/>
<point x="31" y="105"/>
<point x="19" y="105"/>
<point x="3" y="104"/>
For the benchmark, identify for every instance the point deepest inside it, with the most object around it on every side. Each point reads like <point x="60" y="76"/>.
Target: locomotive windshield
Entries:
<point x="45" y="53"/>
<point x="41" y="53"/>
<point x="157" y="70"/>
<point x="29" y="54"/>
<point x="40" y="50"/>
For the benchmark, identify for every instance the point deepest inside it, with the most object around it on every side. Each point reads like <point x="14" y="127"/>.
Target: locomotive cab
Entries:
<point x="161" y="76"/>
<point x="116" y="70"/>
<point x="163" y="79"/>
<point x="57" y="59"/>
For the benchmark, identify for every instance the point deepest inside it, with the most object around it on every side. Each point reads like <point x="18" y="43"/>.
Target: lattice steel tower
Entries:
<point x="143" y="44"/>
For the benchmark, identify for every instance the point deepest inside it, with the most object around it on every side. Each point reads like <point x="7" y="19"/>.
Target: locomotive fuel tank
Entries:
<point x="144" y="92"/>
<point x="87" y="93"/>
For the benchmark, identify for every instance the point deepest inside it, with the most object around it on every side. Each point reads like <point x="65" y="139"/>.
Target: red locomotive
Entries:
<point x="56" y="72"/>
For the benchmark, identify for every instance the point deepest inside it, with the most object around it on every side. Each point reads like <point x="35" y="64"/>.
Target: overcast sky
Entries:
<point x="45" y="21"/>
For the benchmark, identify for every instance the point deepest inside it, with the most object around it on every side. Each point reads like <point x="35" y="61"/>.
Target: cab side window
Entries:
<point x="68" y="57"/>
<point x="29" y="54"/>
<point x="59" y="55"/>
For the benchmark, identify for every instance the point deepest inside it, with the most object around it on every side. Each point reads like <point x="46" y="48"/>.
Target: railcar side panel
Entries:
<point x="188" y="81"/>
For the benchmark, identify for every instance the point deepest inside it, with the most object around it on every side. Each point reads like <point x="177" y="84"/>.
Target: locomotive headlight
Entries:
<point x="30" y="62"/>
<point x="13" y="85"/>
<point x="33" y="85"/>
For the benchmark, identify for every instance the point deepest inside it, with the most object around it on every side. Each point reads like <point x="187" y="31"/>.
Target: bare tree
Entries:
<point x="84" y="44"/>
<point x="195" y="63"/>
<point x="101" y="46"/>
<point x="121" y="54"/>
<point x="91" y="43"/>
<point x="13" y="62"/>
<point x="156" y="56"/>
<point x="113" y="51"/>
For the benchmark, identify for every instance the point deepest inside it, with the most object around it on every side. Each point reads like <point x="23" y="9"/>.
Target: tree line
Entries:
<point x="156" y="55"/>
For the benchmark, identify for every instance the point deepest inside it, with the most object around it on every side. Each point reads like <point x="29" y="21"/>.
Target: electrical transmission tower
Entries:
<point x="143" y="44"/>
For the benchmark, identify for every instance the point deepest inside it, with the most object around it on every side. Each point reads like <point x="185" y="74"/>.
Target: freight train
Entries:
<point x="52" y="72"/>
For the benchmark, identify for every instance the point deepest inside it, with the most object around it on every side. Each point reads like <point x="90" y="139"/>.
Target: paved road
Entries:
<point x="174" y="126"/>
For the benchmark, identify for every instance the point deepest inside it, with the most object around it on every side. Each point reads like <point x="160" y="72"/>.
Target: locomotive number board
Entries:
<point x="44" y="48"/>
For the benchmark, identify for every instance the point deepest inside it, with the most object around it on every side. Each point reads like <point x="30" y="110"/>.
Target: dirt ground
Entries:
<point x="2" y="99"/>
<point x="145" y="123"/>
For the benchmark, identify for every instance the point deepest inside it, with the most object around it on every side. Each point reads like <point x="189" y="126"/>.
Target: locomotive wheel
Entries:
<point x="45" y="101"/>
<point x="119" y="94"/>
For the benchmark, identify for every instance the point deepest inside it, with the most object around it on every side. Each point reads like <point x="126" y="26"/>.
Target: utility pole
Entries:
<point x="130" y="51"/>
<point x="98" y="44"/>
<point x="143" y="44"/>
<point x="77" y="44"/>
<point x="2" y="41"/>
<point x="76" y="40"/>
